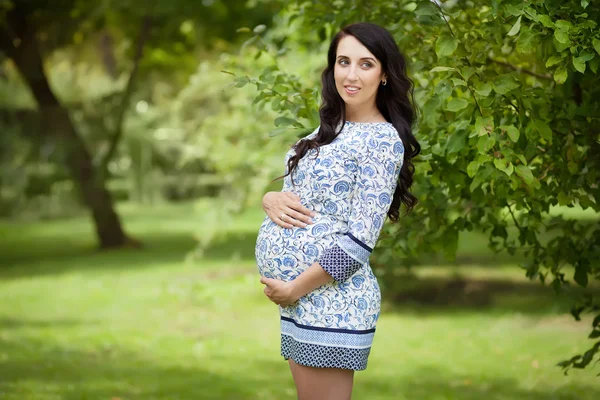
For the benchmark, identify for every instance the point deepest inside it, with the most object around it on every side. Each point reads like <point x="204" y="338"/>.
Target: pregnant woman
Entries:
<point x="341" y="182"/>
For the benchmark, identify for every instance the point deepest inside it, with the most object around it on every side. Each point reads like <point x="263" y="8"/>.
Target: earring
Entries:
<point x="384" y="82"/>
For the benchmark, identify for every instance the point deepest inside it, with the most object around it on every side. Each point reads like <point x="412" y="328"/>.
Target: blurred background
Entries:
<point x="137" y="139"/>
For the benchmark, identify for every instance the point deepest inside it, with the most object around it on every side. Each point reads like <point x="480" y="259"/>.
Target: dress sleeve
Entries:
<point x="379" y="159"/>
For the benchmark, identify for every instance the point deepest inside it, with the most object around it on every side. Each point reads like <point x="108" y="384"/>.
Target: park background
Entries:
<point x="138" y="137"/>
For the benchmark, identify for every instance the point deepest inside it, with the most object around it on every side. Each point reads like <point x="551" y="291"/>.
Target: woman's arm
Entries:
<point x="285" y="293"/>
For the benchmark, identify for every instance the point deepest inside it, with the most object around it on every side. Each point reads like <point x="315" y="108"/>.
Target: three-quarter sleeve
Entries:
<point x="379" y="162"/>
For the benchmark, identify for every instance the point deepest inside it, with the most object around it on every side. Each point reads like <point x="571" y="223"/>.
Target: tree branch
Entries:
<point x="513" y="216"/>
<point x="118" y="134"/>
<point x="520" y="69"/>
<point x="444" y="18"/>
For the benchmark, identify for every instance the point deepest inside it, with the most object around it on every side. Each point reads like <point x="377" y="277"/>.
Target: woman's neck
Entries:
<point x="362" y="114"/>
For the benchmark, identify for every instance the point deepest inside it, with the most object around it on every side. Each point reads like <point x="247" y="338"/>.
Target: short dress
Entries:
<point x="349" y="183"/>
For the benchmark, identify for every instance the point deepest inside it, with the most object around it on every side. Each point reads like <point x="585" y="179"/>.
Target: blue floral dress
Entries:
<point x="349" y="183"/>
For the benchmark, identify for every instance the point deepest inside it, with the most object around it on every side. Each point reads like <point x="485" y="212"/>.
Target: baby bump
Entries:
<point x="285" y="253"/>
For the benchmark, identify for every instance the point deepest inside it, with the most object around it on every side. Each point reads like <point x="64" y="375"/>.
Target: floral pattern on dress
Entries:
<point x="349" y="183"/>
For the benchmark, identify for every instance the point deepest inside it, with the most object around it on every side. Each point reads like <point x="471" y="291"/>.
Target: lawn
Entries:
<point x="154" y="324"/>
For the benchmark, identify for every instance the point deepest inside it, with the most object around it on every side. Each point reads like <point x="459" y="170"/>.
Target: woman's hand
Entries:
<point x="279" y="292"/>
<point x="286" y="210"/>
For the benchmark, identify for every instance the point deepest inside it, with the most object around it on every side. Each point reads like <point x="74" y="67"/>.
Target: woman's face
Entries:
<point x="357" y="73"/>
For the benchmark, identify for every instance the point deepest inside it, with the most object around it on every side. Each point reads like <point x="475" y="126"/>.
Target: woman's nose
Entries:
<point x="352" y="75"/>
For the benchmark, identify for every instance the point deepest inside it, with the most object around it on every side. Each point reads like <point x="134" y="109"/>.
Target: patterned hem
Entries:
<point x="325" y="347"/>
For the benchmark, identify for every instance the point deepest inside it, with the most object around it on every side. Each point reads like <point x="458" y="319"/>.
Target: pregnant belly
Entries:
<point x="285" y="253"/>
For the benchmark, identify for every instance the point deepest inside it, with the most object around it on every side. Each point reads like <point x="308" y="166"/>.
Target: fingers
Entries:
<point x="299" y="218"/>
<point x="303" y="210"/>
<point x="297" y="205"/>
<point x="288" y="221"/>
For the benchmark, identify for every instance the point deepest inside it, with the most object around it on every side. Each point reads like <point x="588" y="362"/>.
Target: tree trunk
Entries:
<point x="91" y="186"/>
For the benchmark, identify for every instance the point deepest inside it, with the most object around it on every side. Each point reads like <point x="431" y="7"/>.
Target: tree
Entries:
<point x="32" y="30"/>
<point x="509" y="125"/>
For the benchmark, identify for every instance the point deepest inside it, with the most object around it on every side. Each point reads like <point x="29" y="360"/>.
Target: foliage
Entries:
<point x="88" y="53"/>
<point x="509" y="125"/>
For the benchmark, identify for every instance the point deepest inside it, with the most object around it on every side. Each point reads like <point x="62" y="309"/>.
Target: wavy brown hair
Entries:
<point x="394" y="101"/>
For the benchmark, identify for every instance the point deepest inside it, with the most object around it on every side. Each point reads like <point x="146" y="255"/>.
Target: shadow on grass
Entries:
<point x="459" y="294"/>
<point x="435" y="384"/>
<point x="14" y="323"/>
<point x="55" y="255"/>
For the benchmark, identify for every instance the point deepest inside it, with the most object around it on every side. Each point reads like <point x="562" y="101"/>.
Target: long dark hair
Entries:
<point x="394" y="101"/>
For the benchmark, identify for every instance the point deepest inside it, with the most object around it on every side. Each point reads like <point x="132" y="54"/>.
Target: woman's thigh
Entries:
<point x="322" y="383"/>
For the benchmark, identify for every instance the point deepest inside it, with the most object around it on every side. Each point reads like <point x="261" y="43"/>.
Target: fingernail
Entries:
<point x="311" y="221"/>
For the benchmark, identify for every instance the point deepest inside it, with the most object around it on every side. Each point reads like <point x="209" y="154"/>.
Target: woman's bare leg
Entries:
<point x="322" y="383"/>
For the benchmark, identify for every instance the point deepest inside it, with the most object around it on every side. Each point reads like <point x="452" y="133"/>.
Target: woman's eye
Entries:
<point x="366" y="65"/>
<point x="343" y="62"/>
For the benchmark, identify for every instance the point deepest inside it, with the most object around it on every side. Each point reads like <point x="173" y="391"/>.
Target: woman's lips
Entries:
<point x="351" y="89"/>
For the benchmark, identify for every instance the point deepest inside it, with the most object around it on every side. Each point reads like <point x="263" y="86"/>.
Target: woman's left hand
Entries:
<point x="279" y="292"/>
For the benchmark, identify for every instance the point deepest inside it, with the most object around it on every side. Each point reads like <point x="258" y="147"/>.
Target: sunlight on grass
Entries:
<point x="149" y="324"/>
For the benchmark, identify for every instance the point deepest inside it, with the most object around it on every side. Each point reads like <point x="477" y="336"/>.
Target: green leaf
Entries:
<point x="526" y="41"/>
<point x="596" y="44"/>
<point x="503" y="166"/>
<point x="284" y="121"/>
<point x="480" y="178"/>
<point x="525" y="173"/>
<point x="485" y="144"/>
<point x="513" y="10"/>
<point x="546" y="21"/>
<point x="561" y="36"/>
<point x="456" y="104"/>
<point x="553" y="60"/>
<point x="512" y="132"/>
<point x="484" y="89"/>
<point x="426" y="8"/>
<point x="581" y="275"/>
<point x="260" y="28"/>
<point x="543" y="129"/>
<point x="563" y="199"/>
<point x="504" y="84"/>
<point x="482" y="126"/>
<point x="560" y="75"/>
<point x="472" y="168"/>
<point x="594" y="65"/>
<point x="241" y="81"/>
<point x="456" y="143"/>
<point x="586" y="55"/>
<point x="458" y="82"/>
<point x="579" y="64"/>
<point x="442" y="69"/>
<point x="515" y="28"/>
<point x="584" y="3"/>
<point x="445" y="46"/>
<point x="563" y="24"/>
<point x="594" y="335"/>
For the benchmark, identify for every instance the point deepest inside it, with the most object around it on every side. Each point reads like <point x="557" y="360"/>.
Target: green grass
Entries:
<point x="152" y="324"/>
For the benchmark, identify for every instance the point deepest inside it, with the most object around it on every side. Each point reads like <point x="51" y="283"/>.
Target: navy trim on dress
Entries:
<point x="318" y="328"/>
<point x="364" y="246"/>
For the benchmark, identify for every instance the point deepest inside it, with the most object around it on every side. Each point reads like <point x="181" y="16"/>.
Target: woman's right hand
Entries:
<point x="286" y="210"/>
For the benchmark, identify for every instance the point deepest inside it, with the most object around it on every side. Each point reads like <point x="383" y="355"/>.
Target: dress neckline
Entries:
<point x="366" y="123"/>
